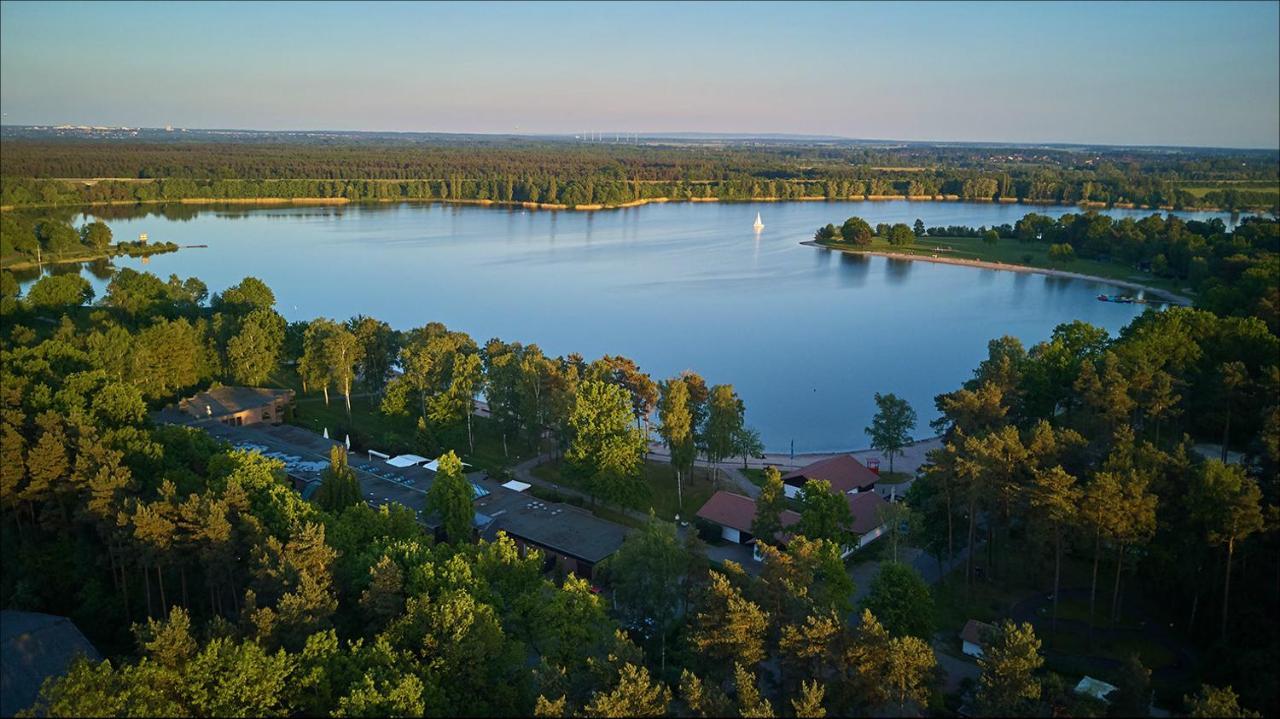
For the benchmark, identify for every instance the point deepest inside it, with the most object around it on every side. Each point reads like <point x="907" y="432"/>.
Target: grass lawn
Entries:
<point x="754" y="474"/>
<point x="1008" y="251"/>
<point x="370" y="428"/>
<point x="893" y="478"/>
<point x="661" y="481"/>
<point x="1242" y="185"/>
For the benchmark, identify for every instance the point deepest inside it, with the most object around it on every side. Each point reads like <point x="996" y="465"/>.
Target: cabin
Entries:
<point x="845" y="474"/>
<point x="35" y="647"/>
<point x="867" y="525"/>
<point x="734" y="514"/>
<point x="974" y="637"/>
<point x="231" y="406"/>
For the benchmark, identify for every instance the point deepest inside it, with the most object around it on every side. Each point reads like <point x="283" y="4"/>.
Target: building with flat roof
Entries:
<point x="33" y="648"/>
<point x="568" y="536"/>
<point x="845" y="474"/>
<point x="231" y="406"/>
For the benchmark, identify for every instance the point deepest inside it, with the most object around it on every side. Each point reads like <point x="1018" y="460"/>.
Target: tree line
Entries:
<point x="576" y="174"/>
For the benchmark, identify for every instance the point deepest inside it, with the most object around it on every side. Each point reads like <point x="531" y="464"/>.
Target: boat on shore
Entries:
<point x="1123" y="299"/>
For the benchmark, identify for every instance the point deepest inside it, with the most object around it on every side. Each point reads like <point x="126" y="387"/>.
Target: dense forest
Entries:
<point x="36" y="172"/>
<point x="214" y="589"/>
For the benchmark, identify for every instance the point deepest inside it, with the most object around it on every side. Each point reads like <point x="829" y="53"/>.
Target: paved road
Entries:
<point x="524" y="473"/>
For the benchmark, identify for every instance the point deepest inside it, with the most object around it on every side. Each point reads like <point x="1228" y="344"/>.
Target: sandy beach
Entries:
<point x="1164" y="295"/>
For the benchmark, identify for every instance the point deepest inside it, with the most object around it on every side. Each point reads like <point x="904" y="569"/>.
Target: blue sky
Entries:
<point x="1143" y="73"/>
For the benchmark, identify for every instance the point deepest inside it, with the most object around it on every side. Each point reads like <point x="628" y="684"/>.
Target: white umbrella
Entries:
<point x="348" y="442"/>
<point x="326" y="433"/>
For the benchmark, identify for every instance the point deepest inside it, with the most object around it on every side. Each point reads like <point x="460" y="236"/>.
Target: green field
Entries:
<point x="371" y="429"/>
<point x="1244" y="186"/>
<point x="661" y="481"/>
<point x="1011" y="252"/>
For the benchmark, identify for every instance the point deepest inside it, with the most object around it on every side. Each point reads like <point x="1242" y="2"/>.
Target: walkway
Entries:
<point x="524" y="473"/>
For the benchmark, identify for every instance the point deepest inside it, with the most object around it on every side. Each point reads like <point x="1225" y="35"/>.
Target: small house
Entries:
<point x="866" y="508"/>
<point x="734" y="514"/>
<point x="845" y="474"/>
<point x="974" y="637"/>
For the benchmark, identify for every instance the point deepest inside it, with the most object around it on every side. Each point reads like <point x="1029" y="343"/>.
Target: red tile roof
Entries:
<point x="974" y="631"/>
<point x="737" y="512"/>
<point x="843" y="472"/>
<point x="865" y="507"/>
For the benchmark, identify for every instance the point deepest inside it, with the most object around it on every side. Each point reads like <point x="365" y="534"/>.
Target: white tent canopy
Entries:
<point x="1095" y="688"/>
<point x="517" y="486"/>
<point x="434" y="465"/>
<point x="406" y="460"/>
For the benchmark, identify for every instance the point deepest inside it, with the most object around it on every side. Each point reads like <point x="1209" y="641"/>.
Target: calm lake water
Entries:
<point x="806" y="336"/>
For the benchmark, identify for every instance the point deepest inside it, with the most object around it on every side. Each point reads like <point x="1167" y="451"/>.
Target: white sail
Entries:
<point x="759" y="225"/>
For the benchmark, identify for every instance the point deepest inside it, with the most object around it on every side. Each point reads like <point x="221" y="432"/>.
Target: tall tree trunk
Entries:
<point x="146" y="582"/>
<point x="326" y="394"/>
<point x="346" y="394"/>
<point x="124" y="584"/>
<point x="1057" y="577"/>
<point x="164" y="605"/>
<point x="182" y="570"/>
<point x="1115" y="591"/>
<point x="1226" y="433"/>
<point x="951" y="552"/>
<point x="991" y="548"/>
<point x="1093" y="586"/>
<point x="470" y="440"/>
<point x="1226" y="587"/>
<point x="968" y="559"/>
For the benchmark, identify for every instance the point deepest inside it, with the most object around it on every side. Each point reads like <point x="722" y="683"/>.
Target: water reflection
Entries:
<point x="100" y="269"/>
<point x="896" y="271"/>
<point x="674" y="286"/>
<point x="854" y="269"/>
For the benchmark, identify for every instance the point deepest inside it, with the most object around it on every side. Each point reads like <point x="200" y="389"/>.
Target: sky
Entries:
<point x="1142" y="73"/>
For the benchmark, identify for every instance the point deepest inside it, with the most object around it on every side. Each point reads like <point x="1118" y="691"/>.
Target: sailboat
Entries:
<point x="758" y="225"/>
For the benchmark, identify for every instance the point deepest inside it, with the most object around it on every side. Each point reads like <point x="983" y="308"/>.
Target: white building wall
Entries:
<point x="870" y="537"/>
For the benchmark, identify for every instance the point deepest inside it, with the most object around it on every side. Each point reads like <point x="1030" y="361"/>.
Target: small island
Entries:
<point x="26" y="243"/>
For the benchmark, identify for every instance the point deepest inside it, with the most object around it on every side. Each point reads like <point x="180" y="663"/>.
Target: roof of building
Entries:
<point x="225" y="400"/>
<point x="406" y="460"/>
<point x="974" y="630"/>
<point x="562" y="528"/>
<point x="865" y="507"/>
<point x="1095" y="688"/>
<point x="34" y="647"/>
<point x="843" y="471"/>
<point x="737" y="512"/>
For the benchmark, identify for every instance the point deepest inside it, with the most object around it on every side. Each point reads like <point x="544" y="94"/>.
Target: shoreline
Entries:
<point x="321" y="201"/>
<point x="1166" y="296"/>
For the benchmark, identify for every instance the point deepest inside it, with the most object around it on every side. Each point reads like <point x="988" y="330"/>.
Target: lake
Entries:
<point x="806" y="336"/>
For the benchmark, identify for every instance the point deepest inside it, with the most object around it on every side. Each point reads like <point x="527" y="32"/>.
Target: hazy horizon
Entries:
<point x="1151" y="74"/>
